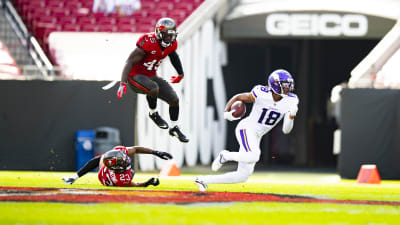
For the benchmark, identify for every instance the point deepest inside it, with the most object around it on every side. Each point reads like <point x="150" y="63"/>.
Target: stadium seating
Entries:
<point x="8" y="66"/>
<point x="45" y="16"/>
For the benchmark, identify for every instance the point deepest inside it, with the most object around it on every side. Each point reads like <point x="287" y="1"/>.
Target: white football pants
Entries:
<point x="247" y="157"/>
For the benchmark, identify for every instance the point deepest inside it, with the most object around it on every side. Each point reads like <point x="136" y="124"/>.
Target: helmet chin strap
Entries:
<point x="165" y="44"/>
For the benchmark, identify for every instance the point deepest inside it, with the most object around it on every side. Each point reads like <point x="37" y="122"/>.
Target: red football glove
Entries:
<point x="121" y="90"/>
<point x="176" y="79"/>
<point x="119" y="147"/>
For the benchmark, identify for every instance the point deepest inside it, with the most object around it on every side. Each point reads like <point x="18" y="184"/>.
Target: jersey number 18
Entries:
<point x="271" y="118"/>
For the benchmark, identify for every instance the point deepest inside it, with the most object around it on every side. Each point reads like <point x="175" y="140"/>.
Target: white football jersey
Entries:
<point x="266" y="113"/>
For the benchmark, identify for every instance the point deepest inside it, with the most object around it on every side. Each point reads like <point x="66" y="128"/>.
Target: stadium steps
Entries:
<point x="11" y="40"/>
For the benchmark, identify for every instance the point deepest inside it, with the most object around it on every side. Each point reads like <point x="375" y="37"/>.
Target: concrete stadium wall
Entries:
<point x="38" y="121"/>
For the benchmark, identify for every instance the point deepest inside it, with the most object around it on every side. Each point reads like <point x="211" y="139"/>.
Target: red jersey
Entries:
<point x="154" y="55"/>
<point x="110" y="178"/>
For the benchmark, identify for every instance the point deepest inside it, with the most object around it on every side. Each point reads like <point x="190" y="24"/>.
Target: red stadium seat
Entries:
<point x="165" y="5"/>
<point x="147" y="5"/>
<point x="126" y="20"/>
<point x="73" y="7"/>
<point x="71" y="27"/>
<point x="143" y="28"/>
<point x="87" y="4"/>
<point x="42" y="29"/>
<point x="54" y="4"/>
<point x="178" y="14"/>
<point x="86" y="20"/>
<point x="59" y="12"/>
<point x="107" y="28"/>
<point x="67" y="20"/>
<point x="147" y="21"/>
<point x="89" y="27"/>
<point x="37" y="4"/>
<point x="34" y="14"/>
<point x="159" y="13"/>
<point x="126" y="28"/>
<point x="107" y="20"/>
<point x="188" y="6"/>
<point x="45" y="16"/>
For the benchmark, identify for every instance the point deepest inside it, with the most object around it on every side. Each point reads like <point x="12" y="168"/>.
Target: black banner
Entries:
<point x="38" y="120"/>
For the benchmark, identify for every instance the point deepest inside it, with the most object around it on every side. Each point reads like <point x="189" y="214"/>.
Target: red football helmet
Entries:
<point x="166" y="31"/>
<point x="117" y="161"/>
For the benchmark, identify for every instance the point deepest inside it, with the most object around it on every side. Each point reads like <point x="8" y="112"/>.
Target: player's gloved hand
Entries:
<point x="121" y="89"/>
<point x="163" y="155"/>
<point x="177" y="79"/>
<point x="229" y="116"/>
<point x="152" y="181"/>
<point x="293" y="110"/>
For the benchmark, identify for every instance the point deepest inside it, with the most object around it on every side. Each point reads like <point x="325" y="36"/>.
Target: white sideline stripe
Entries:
<point x="323" y="179"/>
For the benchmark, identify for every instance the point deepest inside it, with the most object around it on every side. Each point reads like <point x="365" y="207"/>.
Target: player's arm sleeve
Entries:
<point x="287" y="124"/>
<point x="176" y="62"/>
<point x="89" y="166"/>
<point x="294" y="108"/>
<point x="288" y="119"/>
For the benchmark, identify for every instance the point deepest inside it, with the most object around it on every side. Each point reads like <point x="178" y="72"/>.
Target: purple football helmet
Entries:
<point x="281" y="82"/>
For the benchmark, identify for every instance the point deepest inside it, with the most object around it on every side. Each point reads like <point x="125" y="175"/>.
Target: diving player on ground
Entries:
<point x="271" y="104"/>
<point x="115" y="167"/>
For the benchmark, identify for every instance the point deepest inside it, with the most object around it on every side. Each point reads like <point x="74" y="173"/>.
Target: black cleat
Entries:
<point x="158" y="120"/>
<point x="68" y="180"/>
<point x="177" y="133"/>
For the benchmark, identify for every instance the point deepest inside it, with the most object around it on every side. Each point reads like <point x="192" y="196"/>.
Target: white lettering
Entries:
<point x="354" y="25"/>
<point x="329" y="25"/>
<point x="303" y="24"/>
<point x="278" y="24"/>
<point x="300" y="24"/>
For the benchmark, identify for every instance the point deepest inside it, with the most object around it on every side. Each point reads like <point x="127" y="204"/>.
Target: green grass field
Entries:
<point x="322" y="186"/>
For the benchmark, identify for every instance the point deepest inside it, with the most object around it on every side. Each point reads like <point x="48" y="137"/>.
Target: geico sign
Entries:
<point x="316" y="25"/>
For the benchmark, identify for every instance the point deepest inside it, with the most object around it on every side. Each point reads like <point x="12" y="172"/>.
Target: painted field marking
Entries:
<point x="76" y="195"/>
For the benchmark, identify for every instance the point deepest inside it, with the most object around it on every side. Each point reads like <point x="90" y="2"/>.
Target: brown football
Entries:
<point x="239" y="109"/>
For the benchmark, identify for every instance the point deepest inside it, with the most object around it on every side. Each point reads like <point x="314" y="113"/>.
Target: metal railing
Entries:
<point x="29" y="53"/>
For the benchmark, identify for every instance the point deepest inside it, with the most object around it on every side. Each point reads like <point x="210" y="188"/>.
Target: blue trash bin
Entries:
<point x="84" y="145"/>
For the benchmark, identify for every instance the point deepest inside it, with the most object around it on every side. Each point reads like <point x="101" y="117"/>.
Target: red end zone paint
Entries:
<point x="75" y="195"/>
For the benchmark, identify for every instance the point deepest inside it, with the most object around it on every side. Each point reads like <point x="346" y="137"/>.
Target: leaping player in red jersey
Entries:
<point x="140" y="69"/>
<point x="115" y="167"/>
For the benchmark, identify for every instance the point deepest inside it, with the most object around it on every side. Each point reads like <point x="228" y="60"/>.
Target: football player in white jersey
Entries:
<point x="271" y="104"/>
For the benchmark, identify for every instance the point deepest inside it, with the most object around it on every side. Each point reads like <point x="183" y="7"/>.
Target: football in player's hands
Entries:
<point x="239" y="109"/>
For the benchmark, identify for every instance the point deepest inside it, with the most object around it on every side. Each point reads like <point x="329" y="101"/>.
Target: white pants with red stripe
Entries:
<point x="247" y="157"/>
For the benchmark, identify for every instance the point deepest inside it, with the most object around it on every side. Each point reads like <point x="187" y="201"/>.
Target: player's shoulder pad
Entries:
<point x="146" y="41"/>
<point x="293" y="97"/>
<point x="259" y="90"/>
